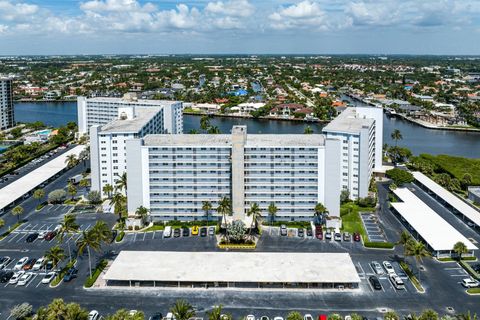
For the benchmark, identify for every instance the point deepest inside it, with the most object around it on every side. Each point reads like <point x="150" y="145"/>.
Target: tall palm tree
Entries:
<point x="55" y="254"/>
<point x="67" y="226"/>
<point x="118" y="202"/>
<point x="217" y="314"/>
<point x="142" y="213"/>
<point x="182" y="310"/>
<point x="17" y="211"/>
<point x="121" y="182"/>
<point x="396" y="135"/>
<point x="207" y="206"/>
<point x="467" y="316"/>
<point x="72" y="190"/>
<point x="39" y="194"/>
<point x="272" y="212"/>
<point x="213" y="130"/>
<point x="71" y="160"/>
<point x="405" y="237"/>
<point x="320" y="211"/>
<point x="256" y="214"/>
<point x="89" y="240"/>
<point x="225" y="208"/>
<point x="107" y="190"/>
<point x="102" y="231"/>
<point x="460" y="248"/>
<point x="417" y="250"/>
<point x="204" y="123"/>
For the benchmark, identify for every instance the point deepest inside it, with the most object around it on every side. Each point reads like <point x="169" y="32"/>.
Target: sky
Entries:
<point x="30" y="27"/>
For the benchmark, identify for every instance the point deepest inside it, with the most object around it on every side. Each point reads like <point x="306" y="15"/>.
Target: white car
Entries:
<point x="348" y="317"/>
<point x="250" y="317"/>
<point x="170" y="316"/>
<point x="93" y="315"/>
<point x="38" y="264"/>
<point x="278" y="318"/>
<point x="377" y="268"/>
<point x="25" y="279"/>
<point x="16" y="277"/>
<point x="470" y="283"/>
<point x="388" y="267"/>
<point x="20" y="263"/>
<point x="308" y="316"/>
<point x="49" y="277"/>
<point x="42" y="234"/>
<point x="167" y="233"/>
<point x="396" y="281"/>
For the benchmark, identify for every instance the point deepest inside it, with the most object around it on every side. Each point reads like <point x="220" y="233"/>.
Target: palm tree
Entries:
<point x="207" y="206"/>
<point x="71" y="160"/>
<point x="396" y="135"/>
<point x="102" y="231"/>
<point x="67" y="226"/>
<point x="204" y="123"/>
<point x="107" y="190"/>
<point x="213" y="130"/>
<point x="55" y="254"/>
<point x="89" y="241"/>
<point x="121" y="182"/>
<point x="142" y="213"/>
<point x="405" y="237"/>
<point x="182" y="310"/>
<point x="308" y="130"/>
<point x="217" y="314"/>
<point x="39" y="194"/>
<point x="17" y="211"/>
<point x="256" y="213"/>
<point x="72" y="190"/>
<point x="460" y="248"/>
<point x="2" y="222"/>
<point x="83" y="183"/>
<point x="118" y="202"/>
<point x="467" y="316"/>
<point x="225" y="208"/>
<point x="417" y="250"/>
<point x="272" y="212"/>
<point x="320" y="211"/>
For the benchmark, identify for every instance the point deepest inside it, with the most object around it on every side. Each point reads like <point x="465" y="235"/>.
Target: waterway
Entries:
<point x="416" y="138"/>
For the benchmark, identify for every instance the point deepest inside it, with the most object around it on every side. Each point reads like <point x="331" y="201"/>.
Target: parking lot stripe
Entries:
<point x="88" y="227"/>
<point x="153" y="235"/>
<point x="39" y="283"/>
<point x="20" y="239"/>
<point x="135" y="236"/>
<point x="34" y="276"/>
<point x="144" y="235"/>
<point x="13" y="237"/>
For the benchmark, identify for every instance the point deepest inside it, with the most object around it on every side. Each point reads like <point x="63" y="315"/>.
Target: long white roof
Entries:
<point x="30" y="181"/>
<point x="438" y="233"/>
<point x="450" y="198"/>
<point x="250" y="267"/>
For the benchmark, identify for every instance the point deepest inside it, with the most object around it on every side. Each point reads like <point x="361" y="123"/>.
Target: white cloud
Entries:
<point x="233" y="8"/>
<point x="305" y="14"/>
<point x="10" y="11"/>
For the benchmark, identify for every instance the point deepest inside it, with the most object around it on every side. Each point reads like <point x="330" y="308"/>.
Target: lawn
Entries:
<point x="351" y="221"/>
<point x="456" y="166"/>
<point x="474" y="290"/>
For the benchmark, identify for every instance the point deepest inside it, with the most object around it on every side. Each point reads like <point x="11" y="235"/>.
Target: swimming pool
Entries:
<point x="45" y="132"/>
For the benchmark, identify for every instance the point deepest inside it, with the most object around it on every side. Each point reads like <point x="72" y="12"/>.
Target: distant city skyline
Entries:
<point x="239" y="26"/>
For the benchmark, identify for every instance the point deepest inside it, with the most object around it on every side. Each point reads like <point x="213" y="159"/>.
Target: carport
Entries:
<point x="427" y="225"/>
<point x="258" y="270"/>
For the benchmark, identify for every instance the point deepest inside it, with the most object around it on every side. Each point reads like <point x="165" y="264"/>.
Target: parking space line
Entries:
<point x="88" y="227"/>
<point x="13" y="237"/>
<point x="39" y="283"/>
<point x="20" y="239"/>
<point x="34" y="276"/>
<point x="135" y="237"/>
<point x="144" y="235"/>
<point x="153" y="235"/>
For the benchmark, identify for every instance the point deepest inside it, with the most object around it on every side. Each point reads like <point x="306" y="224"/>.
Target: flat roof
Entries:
<point x="438" y="233"/>
<point x="30" y="181"/>
<point x="253" y="267"/>
<point x="132" y="101"/>
<point x="143" y="115"/>
<point x="457" y="203"/>
<point x="348" y="121"/>
<point x="253" y="140"/>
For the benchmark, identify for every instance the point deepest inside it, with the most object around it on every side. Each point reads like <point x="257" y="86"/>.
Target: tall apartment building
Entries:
<point x="101" y="110"/>
<point x="173" y="174"/>
<point x="108" y="142"/>
<point x="360" y="131"/>
<point x="7" y="116"/>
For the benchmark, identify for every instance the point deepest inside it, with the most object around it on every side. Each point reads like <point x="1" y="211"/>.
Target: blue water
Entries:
<point x="416" y="138"/>
<point x="44" y="132"/>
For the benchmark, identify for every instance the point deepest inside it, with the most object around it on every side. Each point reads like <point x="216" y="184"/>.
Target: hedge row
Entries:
<point x="379" y="245"/>
<point x="469" y="269"/>
<point x="98" y="270"/>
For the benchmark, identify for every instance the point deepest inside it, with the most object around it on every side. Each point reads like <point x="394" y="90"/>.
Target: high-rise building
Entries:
<point x="102" y="110"/>
<point x="108" y="142"/>
<point x="7" y="116"/>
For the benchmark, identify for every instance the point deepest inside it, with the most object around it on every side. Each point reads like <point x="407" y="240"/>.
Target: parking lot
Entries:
<point x="372" y="227"/>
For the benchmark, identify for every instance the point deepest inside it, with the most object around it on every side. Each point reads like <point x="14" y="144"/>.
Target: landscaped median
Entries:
<point x="474" y="291"/>
<point x="379" y="245"/>
<point x="233" y="246"/>
<point x="98" y="270"/>
<point x="412" y="277"/>
<point x="120" y="236"/>
<point x="58" y="279"/>
<point x="6" y="233"/>
<point x="470" y="270"/>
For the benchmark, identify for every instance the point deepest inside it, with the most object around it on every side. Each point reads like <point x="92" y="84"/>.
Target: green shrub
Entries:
<point x="120" y="236"/>
<point x="379" y="245"/>
<point x="98" y="270"/>
<point x="470" y="270"/>
<point x="62" y="273"/>
<point x="137" y="228"/>
<point x="400" y="176"/>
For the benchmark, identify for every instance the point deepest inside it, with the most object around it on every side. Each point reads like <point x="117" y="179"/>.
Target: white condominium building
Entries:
<point x="100" y="111"/>
<point x="7" y="118"/>
<point x="173" y="174"/>
<point x="107" y="142"/>
<point x="360" y="131"/>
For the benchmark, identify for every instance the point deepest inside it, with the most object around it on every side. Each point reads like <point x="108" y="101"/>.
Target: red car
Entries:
<point x="356" y="237"/>
<point x="319" y="232"/>
<point x="322" y="317"/>
<point x="29" y="264"/>
<point x="50" y="235"/>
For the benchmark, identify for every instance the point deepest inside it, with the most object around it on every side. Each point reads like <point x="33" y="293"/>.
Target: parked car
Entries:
<point x="185" y="232"/>
<point x="42" y="234"/>
<point x="167" y="233"/>
<point x="70" y="275"/>
<point x="356" y="237"/>
<point x="195" y="230"/>
<point x="377" y="267"/>
<point x="156" y="316"/>
<point x="50" y="235"/>
<point x="322" y="317"/>
<point x="176" y="232"/>
<point x="388" y="267"/>
<point x="264" y="318"/>
<point x="49" y="277"/>
<point x="470" y="283"/>
<point x="14" y="279"/>
<point x="307" y="316"/>
<point x="4" y="261"/>
<point x="5" y="276"/>
<point x="93" y="315"/>
<point x="283" y="230"/>
<point x="337" y="236"/>
<point x="211" y="231"/>
<point x="476" y="267"/>
<point x="309" y="232"/>
<point x="39" y="264"/>
<point x="32" y="237"/>
<point x="25" y="279"/>
<point x="328" y="235"/>
<point x="277" y="318"/>
<point x="300" y="233"/>
<point x="49" y="265"/>
<point x="375" y="283"/>
<point x="29" y="264"/>
<point x="319" y="232"/>
<point x="347" y="237"/>
<point x="396" y="281"/>
<point x="250" y="317"/>
<point x="203" y="232"/>
<point x="20" y="263"/>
